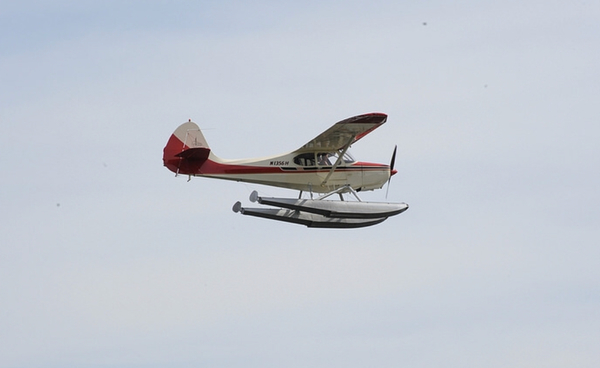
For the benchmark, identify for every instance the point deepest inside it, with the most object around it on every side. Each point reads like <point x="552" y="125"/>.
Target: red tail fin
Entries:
<point x="186" y="150"/>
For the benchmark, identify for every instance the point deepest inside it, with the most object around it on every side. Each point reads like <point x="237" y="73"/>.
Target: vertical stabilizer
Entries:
<point x="186" y="149"/>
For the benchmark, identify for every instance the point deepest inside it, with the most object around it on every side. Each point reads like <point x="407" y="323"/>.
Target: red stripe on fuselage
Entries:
<point x="215" y="168"/>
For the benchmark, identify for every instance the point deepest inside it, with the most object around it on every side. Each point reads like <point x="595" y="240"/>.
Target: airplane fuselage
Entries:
<point x="288" y="171"/>
<point x="320" y="166"/>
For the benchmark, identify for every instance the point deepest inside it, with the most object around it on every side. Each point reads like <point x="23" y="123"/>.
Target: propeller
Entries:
<point x="392" y="171"/>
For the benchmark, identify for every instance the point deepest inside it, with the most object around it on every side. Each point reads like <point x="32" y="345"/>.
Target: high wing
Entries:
<point x="344" y="133"/>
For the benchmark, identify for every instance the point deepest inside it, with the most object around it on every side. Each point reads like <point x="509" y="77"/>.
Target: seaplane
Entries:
<point x="323" y="166"/>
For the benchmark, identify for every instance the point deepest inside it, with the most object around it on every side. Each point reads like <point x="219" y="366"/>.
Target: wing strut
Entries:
<point x="339" y="159"/>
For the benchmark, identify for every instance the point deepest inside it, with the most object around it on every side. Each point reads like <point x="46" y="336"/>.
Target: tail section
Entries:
<point x="187" y="150"/>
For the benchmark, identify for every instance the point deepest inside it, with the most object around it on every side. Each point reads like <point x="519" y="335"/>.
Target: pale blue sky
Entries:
<point x="108" y="260"/>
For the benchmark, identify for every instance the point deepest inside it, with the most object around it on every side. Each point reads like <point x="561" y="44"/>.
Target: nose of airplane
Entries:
<point x="393" y="172"/>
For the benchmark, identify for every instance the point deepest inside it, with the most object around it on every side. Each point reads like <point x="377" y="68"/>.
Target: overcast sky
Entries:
<point x="108" y="260"/>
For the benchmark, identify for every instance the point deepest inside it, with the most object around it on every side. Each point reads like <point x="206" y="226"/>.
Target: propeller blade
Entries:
<point x="387" y="189"/>
<point x="393" y="159"/>
<point x="392" y="163"/>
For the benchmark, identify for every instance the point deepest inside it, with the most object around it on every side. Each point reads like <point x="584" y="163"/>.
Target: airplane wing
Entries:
<point x="344" y="133"/>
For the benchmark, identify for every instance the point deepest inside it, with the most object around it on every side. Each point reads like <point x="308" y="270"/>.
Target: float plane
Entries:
<point x="322" y="166"/>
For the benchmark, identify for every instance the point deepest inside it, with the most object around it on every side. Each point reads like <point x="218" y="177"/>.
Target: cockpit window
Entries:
<point x="322" y="159"/>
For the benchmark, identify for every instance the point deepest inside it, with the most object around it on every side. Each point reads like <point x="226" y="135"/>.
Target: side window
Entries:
<point x="305" y="159"/>
<point x="333" y="157"/>
<point x="348" y="158"/>
<point x="323" y="159"/>
<point x="330" y="158"/>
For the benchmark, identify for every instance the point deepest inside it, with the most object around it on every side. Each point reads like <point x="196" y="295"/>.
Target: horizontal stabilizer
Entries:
<point x="195" y="154"/>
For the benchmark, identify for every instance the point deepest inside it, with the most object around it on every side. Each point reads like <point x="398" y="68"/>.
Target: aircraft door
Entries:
<point x="325" y="163"/>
